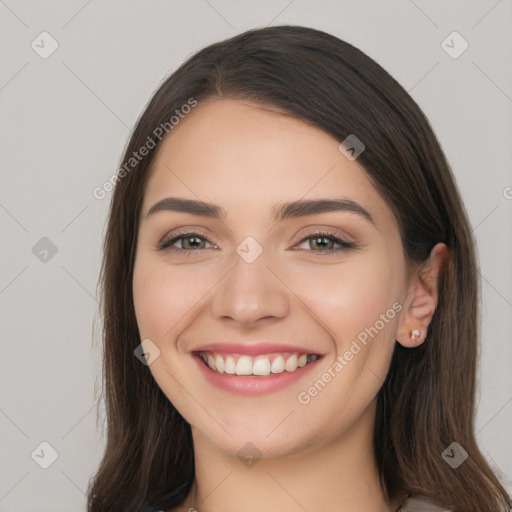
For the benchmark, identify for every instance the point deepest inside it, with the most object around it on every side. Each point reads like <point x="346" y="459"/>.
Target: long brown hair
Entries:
<point x="427" y="401"/>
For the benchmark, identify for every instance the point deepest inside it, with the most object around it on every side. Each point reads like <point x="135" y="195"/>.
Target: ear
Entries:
<point x="422" y="298"/>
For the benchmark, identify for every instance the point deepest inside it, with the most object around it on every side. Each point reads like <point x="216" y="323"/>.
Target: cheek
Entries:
<point x="163" y="297"/>
<point x="355" y="302"/>
<point x="349" y="298"/>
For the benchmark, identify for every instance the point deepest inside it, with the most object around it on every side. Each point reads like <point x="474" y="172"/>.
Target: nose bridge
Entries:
<point x="250" y="291"/>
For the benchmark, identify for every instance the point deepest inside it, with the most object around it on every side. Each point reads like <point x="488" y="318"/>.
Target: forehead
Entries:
<point x="241" y="154"/>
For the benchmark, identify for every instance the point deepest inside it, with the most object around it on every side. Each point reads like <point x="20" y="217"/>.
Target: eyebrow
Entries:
<point x="280" y="211"/>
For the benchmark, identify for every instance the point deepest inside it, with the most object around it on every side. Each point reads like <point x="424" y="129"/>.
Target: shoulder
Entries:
<point x="419" y="504"/>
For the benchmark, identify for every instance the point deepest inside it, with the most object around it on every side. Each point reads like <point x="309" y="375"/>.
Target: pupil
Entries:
<point x="193" y="238"/>
<point x="318" y="240"/>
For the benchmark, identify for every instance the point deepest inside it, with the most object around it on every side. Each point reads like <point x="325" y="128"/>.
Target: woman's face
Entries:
<point x="255" y="284"/>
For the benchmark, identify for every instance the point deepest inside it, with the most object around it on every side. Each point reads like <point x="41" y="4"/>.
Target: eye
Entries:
<point x="326" y="241"/>
<point x="190" y="242"/>
<point x="193" y="242"/>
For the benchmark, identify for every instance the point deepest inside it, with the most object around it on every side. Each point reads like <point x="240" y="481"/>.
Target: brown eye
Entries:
<point x="189" y="242"/>
<point x="326" y="242"/>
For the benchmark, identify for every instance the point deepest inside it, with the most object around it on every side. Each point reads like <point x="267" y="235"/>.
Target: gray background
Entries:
<point x="64" y="122"/>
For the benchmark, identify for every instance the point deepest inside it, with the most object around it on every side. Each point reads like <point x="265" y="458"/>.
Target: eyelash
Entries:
<point x="166" y="244"/>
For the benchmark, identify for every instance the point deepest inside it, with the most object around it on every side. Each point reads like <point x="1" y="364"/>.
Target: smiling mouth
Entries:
<point x="261" y="365"/>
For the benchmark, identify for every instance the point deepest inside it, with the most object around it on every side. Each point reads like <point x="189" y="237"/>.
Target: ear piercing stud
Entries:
<point x="415" y="335"/>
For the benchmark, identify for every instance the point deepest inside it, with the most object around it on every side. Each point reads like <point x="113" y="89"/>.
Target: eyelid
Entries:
<point x="337" y="238"/>
<point x="326" y="231"/>
<point x="182" y="233"/>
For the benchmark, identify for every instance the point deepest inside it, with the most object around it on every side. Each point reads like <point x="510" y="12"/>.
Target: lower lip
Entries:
<point x="253" y="385"/>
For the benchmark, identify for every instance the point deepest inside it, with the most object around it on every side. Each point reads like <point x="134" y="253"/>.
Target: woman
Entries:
<point x="290" y="294"/>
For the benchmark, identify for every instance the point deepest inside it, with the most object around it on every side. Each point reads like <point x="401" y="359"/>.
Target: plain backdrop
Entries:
<point x="65" y="119"/>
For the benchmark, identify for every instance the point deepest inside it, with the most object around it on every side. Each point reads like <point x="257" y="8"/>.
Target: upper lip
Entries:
<point x="253" y="349"/>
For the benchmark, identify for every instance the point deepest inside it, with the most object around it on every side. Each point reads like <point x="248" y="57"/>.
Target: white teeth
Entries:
<point x="277" y="365"/>
<point x="211" y="361"/>
<point x="219" y="363"/>
<point x="244" y="366"/>
<point x="229" y="365"/>
<point x="261" y="366"/>
<point x="291" y="363"/>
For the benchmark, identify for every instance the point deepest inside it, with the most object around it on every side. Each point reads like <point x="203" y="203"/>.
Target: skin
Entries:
<point x="245" y="158"/>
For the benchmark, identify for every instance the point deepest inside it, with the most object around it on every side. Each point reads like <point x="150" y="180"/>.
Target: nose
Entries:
<point x="250" y="293"/>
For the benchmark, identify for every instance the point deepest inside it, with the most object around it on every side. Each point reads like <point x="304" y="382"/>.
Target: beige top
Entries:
<point x="418" y="504"/>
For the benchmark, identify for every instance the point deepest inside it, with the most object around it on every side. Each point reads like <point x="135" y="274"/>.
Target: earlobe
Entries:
<point x="412" y="338"/>
<point x="416" y="335"/>
<point x="424" y="297"/>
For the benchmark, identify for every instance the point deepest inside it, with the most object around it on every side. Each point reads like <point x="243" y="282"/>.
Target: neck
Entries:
<point x="337" y="473"/>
